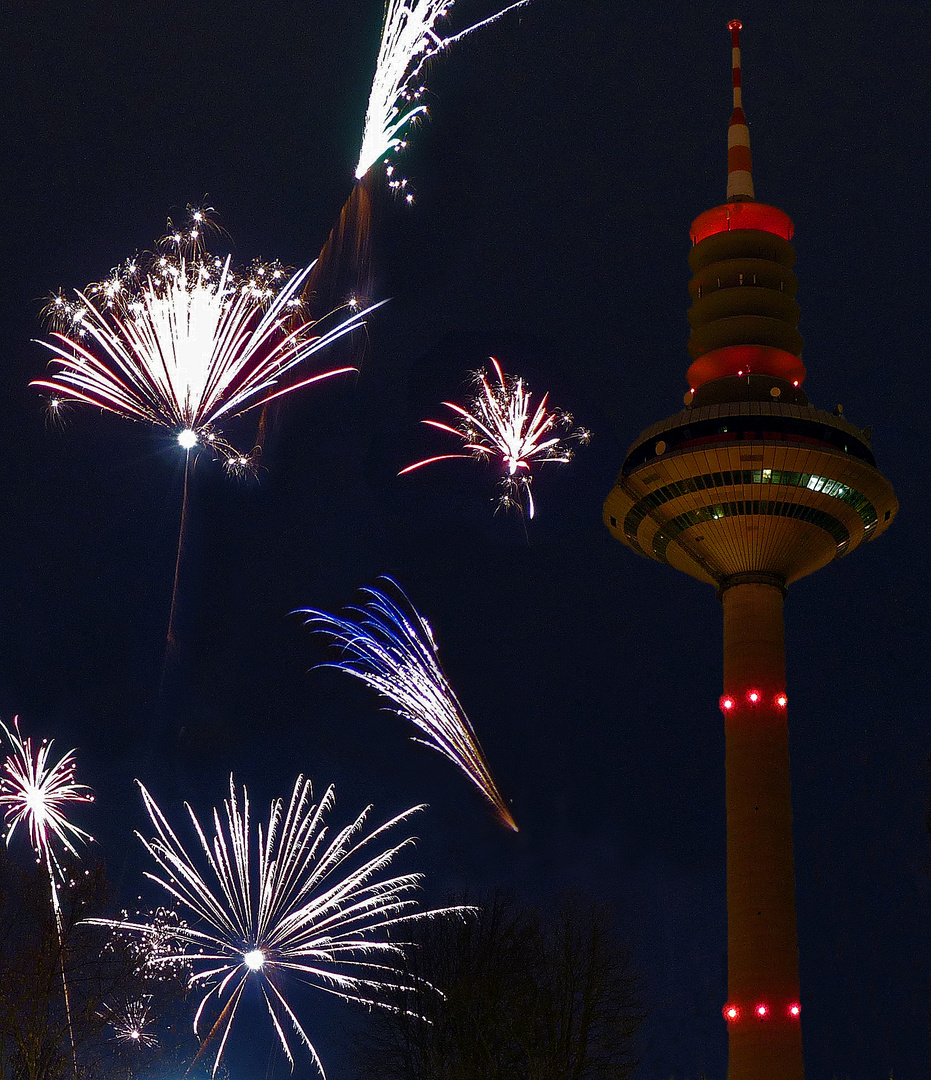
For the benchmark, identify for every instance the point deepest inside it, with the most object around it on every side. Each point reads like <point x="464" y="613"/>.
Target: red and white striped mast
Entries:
<point x="739" y="165"/>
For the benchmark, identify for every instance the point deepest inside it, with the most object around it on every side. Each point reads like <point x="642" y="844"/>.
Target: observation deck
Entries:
<point x="752" y="486"/>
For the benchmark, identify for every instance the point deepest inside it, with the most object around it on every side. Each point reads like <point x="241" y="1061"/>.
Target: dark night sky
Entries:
<point x="568" y="151"/>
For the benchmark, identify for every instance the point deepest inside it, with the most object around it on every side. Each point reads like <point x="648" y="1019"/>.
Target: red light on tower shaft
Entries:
<point x="731" y="1013"/>
<point x="795" y="1010"/>
<point x="753" y="696"/>
<point x="762" y="1011"/>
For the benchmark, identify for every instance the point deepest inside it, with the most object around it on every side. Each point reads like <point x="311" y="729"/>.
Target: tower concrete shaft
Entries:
<point x="762" y="941"/>
<point x="749" y="489"/>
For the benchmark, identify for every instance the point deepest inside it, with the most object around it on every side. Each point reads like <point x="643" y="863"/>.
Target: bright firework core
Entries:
<point x="254" y="959"/>
<point x="187" y="438"/>
<point x="35" y="803"/>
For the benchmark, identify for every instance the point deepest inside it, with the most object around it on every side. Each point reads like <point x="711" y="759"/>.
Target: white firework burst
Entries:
<point x="131" y="1021"/>
<point x="288" y="902"/>
<point x="183" y="340"/>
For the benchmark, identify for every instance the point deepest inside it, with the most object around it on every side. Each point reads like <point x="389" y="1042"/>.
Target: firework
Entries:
<point x="288" y="903"/>
<point x="36" y="792"/>
<point x="130" y="1022"/>
<point x="500" y="424"/>
<point x="390" y="646"/>
<point x="409" y="41"/>
<point x="182" y="340"/>
<point x="154" y="957"/>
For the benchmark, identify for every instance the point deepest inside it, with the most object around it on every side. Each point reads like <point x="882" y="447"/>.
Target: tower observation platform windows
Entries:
<point x="762" y="428"/>
<point x="739" y="477"/>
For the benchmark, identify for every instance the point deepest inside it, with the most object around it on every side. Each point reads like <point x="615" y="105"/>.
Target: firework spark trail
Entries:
<point x="345" y="260"/>
<point x="153" y="956"/>
<point x="390" y="647"/>
<point x="172" y="643"/>
<point x="501" y="424"/>
<point x="409" y="41"/>
<point x="287" y="901"/>
<point x="35" y="793"/>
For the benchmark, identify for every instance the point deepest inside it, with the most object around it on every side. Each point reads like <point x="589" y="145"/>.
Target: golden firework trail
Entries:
<point x="390" y="646"/>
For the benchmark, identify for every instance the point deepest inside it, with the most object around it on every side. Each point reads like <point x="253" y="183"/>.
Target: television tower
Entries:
<point x="749" y="489"/>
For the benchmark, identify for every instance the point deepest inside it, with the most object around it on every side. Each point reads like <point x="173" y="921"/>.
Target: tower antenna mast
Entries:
<point x="739" y="163"/>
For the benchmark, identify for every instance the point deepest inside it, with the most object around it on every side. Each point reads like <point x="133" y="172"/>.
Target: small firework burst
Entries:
<point x="500" y="424"/>
<point x="36" y="792"/>
<point x="131" y="1021"/>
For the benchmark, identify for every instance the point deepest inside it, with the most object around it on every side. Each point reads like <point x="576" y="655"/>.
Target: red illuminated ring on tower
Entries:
<point x="761" y="1011"/>
<point x="726" y="703"/>
<point x="731" y="1012"/>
